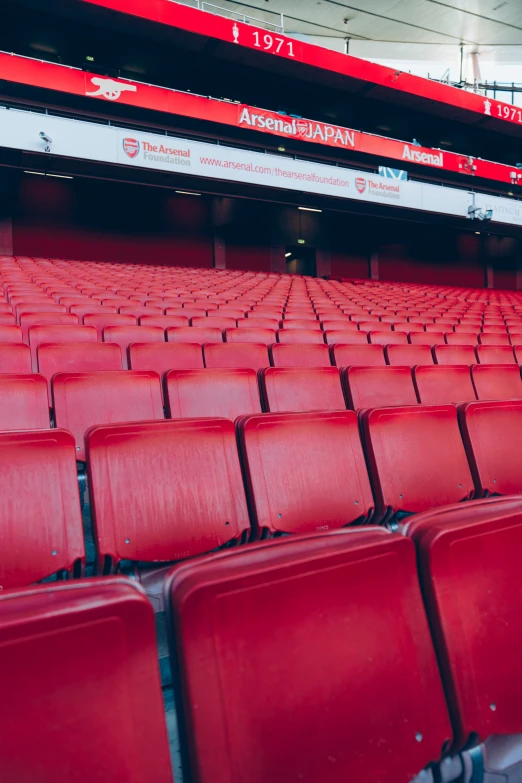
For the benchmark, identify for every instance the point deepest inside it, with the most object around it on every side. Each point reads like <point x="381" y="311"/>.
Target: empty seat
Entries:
<point x="40" y="521"/>
<point x="300" y="336"/>
<point x="416" y="458"/>
<point x="187" y="334"/>
<point x="84" y="399"/>
<point x="300" y="323"/>
<point x="358" y="355"/>
<point x="443" y="384"/>
<point x="125" y="335"/>
<point x="408" y="355"/>
<point x="137" y="310"/>
<point x="160" y="357"/>
<point x="164" y="321"/>
<point x="31" y="319"/>
<point x="461" y="338"/>
<point x="265" y="336"/>
<point x="218" y="322"/>
<point x="454" y="354"/>
<point x="101" y="320"/>
<point x="477" y="589"/>
<point x="15" y="358"/>
<point x="495" y="354"/>
<point x="77" y="357"/>
<point x="23" y="400"/>
<point x="7" y="319"/>
<point x="165" y="491"/>
<point x="388" y="338"/>
<point x="327" y="486"/>
<point x="10" y="334"/>
<point x="303" y="355"/>
<point x="82" y="310"/>
<point x="302" y="389"/>
<point x="279" y="609"/>
<point x="82" y="634"/>
<point x="426" y="338"/>
<point x="373" y="387"/>
<point x="227" y="393"/>
<point x="238" y="355"/>
<point x="491" y="432"/>
<point x="493" y="339"/>
<point x="497" y="382"/>
<point x="338" y="324"/>
<point x="58" y="333"/>
<point x="258" y="323"/>
<point x="335" y="336"/>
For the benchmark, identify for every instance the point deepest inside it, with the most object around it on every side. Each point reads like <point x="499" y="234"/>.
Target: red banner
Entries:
<point x="225" y="29"/>
<point x="37" y="73"/>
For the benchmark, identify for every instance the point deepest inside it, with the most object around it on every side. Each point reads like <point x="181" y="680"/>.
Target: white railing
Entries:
<point x="216" y="9"/>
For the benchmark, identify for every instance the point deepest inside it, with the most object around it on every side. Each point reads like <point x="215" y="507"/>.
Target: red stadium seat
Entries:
<point x="373" y="387"/>
<point x="300" y="336"/>
<point x="226" y="393"/>
<point x="101" y="320"/>
<point x="10" y="334"/>
<point x="493" y="339"/>
<point x="23" y="400"/>
<point x="85" y="399"/>
<point x="125" y="335"/>
<point x="454" y="354"/>
<point x="426" y="338"/>
<point x="218" y="322"/>
<point x="82" y="310"/>
<point x="328" y="485"/>
<point x="497" y="382"/>
<point x="443" y="384"/>
<point x="491" y="433"/>
<point x="58" y="333"/>
<point x="160" y="357"/>
<point x="265" y="336"/>
<point x="164" y="321"/>
<point x="138" y="311"/>
<point x="300" y="323"/>
<point x="301" y="389"/>
<point x="342" y="324"/>
<point x="321" y="596"/>
<point x="40" y="525"/>
<point x="236" y="355"/>
<point x="495" y="354"/>
<point x="193" y="502"/>
<point x="7" y="319"/>
<point x="477" y="589"/>
<point x="258" y="323"/>
<point x="187" y="334"/>
<point x="77" y="357"/>
<point x="416" y="458"/>
<point x="31" y="319"/>
<point x="358" y="355"/>
<point x="461" y="338"/>
<point x="15" y="358"/>
<point x="303" y="355"/>
<point x="187" y="312"/>
<point x="335" y="336"/>
<point x="82" y="634"/>
<point x="408" y="355"/>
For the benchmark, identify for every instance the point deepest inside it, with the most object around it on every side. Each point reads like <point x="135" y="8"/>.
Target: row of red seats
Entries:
<point x="165" y="490"/>
<point x="83" y="399"/>
<point x="270" y="643"/>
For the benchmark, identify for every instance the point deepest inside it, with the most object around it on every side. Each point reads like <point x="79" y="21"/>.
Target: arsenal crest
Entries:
<point x="360" y="184"/>
<point x="131" y="147"/>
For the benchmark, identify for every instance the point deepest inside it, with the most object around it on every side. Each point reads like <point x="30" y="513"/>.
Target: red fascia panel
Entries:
<point x="213" y="26"/>
<point x="38" y="73"/>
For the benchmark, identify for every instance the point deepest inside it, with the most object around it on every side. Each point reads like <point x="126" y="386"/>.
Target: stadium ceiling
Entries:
<point x="437" y="22"/>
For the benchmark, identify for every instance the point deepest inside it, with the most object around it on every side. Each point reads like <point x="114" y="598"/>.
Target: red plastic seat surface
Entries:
<point x="226" y="393"/>
<point x="301" y="389"/>
<point x="303" y="355"/>
<point x="82" y="400"/>
<point x="497" y="382"/>
<point x="194" y="501"/>
<point x="160" y="357"/>
<point x="328" y="486"/>
<point x="252" y="356"/>
<point x="40" y="520"/>
<point x="373" y="387"/>
<point x="82" y="634"/>
<point x="443" y="384"/>
<point x="302" y="616"/>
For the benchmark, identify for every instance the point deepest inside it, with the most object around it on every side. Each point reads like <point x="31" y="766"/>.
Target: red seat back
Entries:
<point x="160" y="357"/>
<point x="193" y="501"/>
<point x="443" y="384"/>
<point x="497" y="382"/>
<point x="373" y="387"/>
<point x="238" y="355"/>
<point x="301" y="389"/>
<point x="226" y="393"/>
